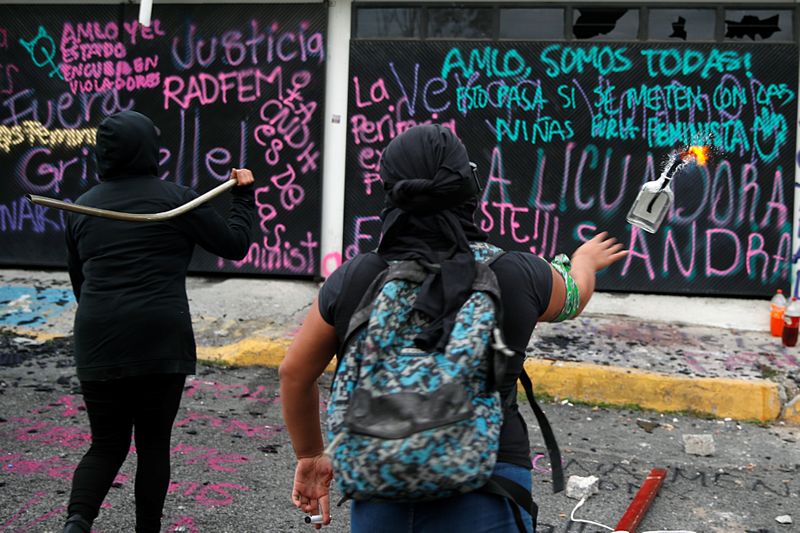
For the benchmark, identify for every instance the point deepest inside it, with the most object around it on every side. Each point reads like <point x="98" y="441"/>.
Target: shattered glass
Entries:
<point x="605" y="24"/>
<point x="681" y="24"/>
<point x="758" y="25"/>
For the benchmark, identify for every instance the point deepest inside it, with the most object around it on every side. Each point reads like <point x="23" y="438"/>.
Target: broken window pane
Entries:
<point x="758" y="25"/>
<point x="681" y="24"/>
<point x="387" y="23"/>
<point x="460" y="23"/>
<point x="605" y="23"/>
<point x="523" y="23"/>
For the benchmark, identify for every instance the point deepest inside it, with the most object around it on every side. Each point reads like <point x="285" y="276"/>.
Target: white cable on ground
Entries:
<point x="583" y="500"/>
<point x="572" y="517"/>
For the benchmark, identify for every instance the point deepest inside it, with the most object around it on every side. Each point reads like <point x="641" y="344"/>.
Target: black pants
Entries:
<point x="145" y="405"/>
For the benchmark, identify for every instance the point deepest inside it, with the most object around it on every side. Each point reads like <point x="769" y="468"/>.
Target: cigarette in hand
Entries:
<point x="313" y="519"/>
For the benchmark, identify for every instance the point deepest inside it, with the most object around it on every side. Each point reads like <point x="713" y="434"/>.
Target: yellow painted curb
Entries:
<point x="721" y="397"/>
<point x="40" y="336"/>
<point x="791" y="413"/>
<point x="249" y="351"/>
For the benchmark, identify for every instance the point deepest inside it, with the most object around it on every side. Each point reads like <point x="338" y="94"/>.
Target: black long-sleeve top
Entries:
<point x="129" y="278"/>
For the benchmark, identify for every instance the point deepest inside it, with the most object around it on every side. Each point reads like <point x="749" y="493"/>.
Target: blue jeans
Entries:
<point x="475" y="512"/>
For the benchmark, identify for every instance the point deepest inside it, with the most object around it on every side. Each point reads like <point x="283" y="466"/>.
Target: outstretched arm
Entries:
<point x="591" y="257"/>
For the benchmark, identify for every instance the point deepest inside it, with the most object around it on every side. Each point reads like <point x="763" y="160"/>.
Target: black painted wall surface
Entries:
<point x="565" y="134"/>
<point x="228" y="85"/>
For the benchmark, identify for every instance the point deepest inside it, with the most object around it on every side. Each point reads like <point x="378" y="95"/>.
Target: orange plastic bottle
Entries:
<point x="776" y="309"/>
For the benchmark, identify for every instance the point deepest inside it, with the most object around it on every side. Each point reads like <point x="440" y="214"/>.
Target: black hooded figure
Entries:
<point x="134" y="343"/>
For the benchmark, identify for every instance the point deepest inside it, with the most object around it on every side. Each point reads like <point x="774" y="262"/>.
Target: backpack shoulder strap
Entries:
<point x="365" y="303"/>
<point x="547" y="432"/>
<point x="515" y="492"/>
<point x="405" y="270"/>
<point x="485" y="279"/>
<point x="518" y="495"/>
<point x="495" y="257"/>
<point x="485" y="252"/>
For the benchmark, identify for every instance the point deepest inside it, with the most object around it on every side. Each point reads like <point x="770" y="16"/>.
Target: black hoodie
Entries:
<point x="130" y="277"/>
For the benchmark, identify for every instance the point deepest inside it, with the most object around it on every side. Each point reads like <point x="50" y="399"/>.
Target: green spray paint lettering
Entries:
<point x="673" y="62"/>
<point x="566" y="60"/>
<point x="674" y="96"/>
<point x="493" y="63"/>
<point x="770" y="132"/>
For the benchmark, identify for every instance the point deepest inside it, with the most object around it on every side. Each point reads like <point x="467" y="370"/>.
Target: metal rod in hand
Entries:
<point x="133" y="217"/>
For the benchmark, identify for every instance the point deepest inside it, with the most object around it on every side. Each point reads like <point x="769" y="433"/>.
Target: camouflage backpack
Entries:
<point x="407" y="424"/>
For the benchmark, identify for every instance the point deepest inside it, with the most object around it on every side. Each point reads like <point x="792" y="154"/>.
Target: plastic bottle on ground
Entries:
<point x="791" y="323"/>
<point x="776" y="309"/>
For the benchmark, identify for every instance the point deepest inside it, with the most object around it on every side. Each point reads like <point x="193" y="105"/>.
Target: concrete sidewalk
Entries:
<point x="670" y="354"/>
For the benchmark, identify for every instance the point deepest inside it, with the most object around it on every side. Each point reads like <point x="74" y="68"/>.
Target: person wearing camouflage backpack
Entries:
<point x="430" y="331"/>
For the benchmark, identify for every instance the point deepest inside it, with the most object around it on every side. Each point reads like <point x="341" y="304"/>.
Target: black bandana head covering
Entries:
<point x="127" y="145"/>
<point x="431" y="197"/>
<point x="426" y="169"/>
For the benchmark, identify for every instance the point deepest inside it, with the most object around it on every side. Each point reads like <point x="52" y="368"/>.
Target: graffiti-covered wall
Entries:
<point x="227" y="85"/>
<point x="565" y="135"/>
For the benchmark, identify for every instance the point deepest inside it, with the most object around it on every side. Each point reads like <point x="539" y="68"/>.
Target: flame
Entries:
<point x="699" y="153"/>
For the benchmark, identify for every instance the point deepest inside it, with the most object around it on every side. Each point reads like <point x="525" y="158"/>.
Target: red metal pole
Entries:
<point x="641" y="502"/>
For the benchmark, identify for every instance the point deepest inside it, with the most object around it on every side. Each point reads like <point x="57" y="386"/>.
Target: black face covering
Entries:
<point x="127" y="146"/>
<point x="431" y="196"/>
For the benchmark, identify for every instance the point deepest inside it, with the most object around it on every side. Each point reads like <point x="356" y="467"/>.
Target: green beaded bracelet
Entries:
<point x="572" y="301"/>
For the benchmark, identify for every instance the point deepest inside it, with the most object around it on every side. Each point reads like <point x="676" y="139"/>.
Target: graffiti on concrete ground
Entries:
<point x="657" y="346"/>
<point x="59" y="428"/>
<point x="32" y="306"/>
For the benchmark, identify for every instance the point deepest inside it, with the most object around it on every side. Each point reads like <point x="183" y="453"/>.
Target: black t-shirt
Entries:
<point x="525" y="285"/>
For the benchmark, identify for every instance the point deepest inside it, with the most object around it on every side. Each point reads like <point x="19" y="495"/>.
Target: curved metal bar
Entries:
<point x="133" y="217"/>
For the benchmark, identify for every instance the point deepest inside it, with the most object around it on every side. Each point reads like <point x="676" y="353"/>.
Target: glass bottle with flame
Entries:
<point x="654" y="200"/>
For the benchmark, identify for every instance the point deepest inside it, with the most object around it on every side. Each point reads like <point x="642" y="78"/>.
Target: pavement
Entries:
<point x="704" y="356"/>
<point x="233" y="462"/>
<point x="694" y="366"/>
